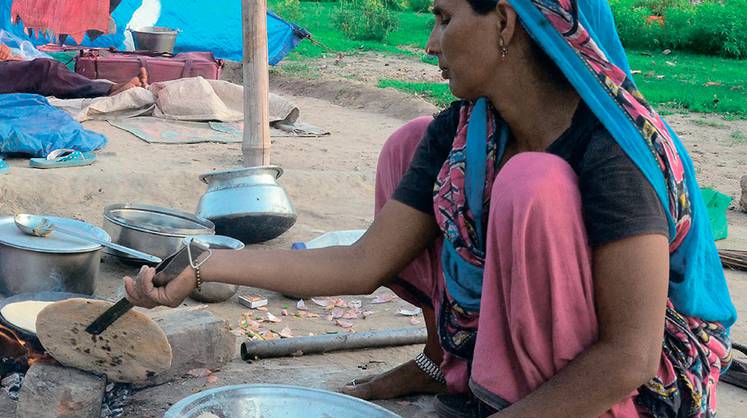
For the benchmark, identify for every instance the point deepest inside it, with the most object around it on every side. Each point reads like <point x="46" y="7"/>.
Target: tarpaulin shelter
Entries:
<point x="213" y="26"/>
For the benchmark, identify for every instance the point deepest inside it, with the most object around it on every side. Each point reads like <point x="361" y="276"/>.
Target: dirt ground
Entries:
<point x="330" y="181"/>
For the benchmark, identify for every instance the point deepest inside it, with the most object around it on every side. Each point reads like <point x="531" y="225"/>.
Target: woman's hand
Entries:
<point x="141" y="291"/>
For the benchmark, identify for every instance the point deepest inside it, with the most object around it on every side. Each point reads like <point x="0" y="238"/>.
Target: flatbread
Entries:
<point x="131" y="350"/>
<point x="23" y="314"/>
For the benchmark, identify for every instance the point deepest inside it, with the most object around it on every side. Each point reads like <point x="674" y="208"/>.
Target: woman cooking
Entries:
<point x="549" y="224"/>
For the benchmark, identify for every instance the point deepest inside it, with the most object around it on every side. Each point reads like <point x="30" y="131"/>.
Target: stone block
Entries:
<point x="51" y="391"/>
<point x="198" y="339"/>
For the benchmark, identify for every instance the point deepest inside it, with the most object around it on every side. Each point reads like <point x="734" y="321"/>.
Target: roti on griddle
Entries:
<point x="23" y="314"/>
<point x="131" y="350"/>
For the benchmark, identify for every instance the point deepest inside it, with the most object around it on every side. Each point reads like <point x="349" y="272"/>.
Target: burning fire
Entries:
<point x="16" y="354"/>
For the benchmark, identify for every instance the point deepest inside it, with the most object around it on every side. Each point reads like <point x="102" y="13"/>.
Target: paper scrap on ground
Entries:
<point x="202" y="372"/>
<point x="344" y="324"/>
<point x="321" y="302"/>
<point x="273" y="318"/>
<point x="385" y="298"/>
<point x="337" y="313"/>
<point x="410" y="312"/>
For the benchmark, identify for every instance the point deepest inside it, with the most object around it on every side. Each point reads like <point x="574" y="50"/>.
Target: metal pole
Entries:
<point x="332" y="342"/>
<point x="256" y="142"/>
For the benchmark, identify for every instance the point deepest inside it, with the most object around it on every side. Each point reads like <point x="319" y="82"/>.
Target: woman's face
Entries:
<point x="466" y="44"/>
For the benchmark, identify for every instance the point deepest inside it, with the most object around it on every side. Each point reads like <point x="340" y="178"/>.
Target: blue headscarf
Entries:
<point x="697" y="286"/>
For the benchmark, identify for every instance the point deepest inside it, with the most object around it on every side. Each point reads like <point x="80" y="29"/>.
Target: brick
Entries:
<point x="198" y="339"/>
<point x="51" y="391"/>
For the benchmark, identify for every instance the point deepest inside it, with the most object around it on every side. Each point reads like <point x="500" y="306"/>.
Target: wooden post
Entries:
<point x="256" y="142"/>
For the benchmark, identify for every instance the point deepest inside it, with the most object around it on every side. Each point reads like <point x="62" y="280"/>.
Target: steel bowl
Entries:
<point x="151" y="229"/>
<point x="154" y="38"/>
<point x="216" y="292"/>
<point x="58" y="263"/>
<point x="247" y="203"/>
<point x="274" y="401"/>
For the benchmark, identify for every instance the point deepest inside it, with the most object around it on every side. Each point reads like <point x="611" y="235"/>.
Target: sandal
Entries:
<point x="64" y="158"/>
<point x="737" y="373"/>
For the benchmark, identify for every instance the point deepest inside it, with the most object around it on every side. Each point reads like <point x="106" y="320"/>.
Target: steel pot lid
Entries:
<point x="57" y="242"/>
<point x="158" y="220"/>
<point x="233" y="173"/>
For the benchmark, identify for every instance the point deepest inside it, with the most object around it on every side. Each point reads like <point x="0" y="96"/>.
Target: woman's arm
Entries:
<point x="398" y="234"/>
<point x="630" y="286"/>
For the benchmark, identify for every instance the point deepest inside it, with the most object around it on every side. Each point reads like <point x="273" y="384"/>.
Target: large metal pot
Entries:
<point x="151" y="229"/>
<point x="216" y="292"/>
<point x="247" y="203"/>
<point x="57" y="263"/>
<point x="154" y="38"/>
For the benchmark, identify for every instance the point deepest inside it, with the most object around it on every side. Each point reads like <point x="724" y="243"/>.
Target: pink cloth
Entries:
<point x="538" y="311"/>
<point x="70" y="17"/>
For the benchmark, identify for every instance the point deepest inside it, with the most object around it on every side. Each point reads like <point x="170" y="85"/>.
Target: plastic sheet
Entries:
<point x="19" y="47"/>
<point x="29" y="125"/>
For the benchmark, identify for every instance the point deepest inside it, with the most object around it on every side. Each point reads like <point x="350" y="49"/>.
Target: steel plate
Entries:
<point x="274" y="401"/>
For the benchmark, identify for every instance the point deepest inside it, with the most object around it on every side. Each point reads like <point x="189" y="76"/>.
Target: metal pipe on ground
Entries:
<point x="253" y="349"/>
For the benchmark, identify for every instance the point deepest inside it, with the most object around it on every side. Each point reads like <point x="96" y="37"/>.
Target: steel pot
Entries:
<point x="58" y="263"/>
<point x="216" y="292"/>
<point x="247" y="203"/>
<point x="154" y="38"/>
<point x="151" y="229"/>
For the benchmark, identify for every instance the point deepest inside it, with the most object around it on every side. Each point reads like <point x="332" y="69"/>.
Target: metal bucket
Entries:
<point x="154" y="38"/>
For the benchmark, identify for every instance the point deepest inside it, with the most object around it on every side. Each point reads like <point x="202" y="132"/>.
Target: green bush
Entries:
<point x="365" y="20"/>
<point x="720" y="28"/>
<point x="287" y="9"/>
<point x="421" y="6"/>
<point x="659" y="6"/>
<point x="630" y="21"/>
<point x="397" y="5"/>
<point x="713" y="27"/>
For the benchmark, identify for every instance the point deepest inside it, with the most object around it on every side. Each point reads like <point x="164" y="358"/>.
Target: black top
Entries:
<point x="617" y="200"/>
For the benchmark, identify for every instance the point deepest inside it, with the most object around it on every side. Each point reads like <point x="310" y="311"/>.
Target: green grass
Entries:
<point x="316" y="18"/>
<point x="435" y="93"/>
<point x="739" y="137"/>
<point x="710" y="123"/>
<point x="678" y="88"/>
<point x="683" y="86"/>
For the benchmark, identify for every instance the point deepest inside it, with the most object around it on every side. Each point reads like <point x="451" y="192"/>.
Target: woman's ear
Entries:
<point x="507" y="20"/>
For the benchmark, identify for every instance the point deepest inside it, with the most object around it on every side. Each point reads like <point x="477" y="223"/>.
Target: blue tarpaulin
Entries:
<point x="29" y="125"/>
<point x="213" y="26"/>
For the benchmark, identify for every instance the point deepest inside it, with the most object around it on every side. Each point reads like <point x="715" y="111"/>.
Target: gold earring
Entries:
<point x="502" y="47"/>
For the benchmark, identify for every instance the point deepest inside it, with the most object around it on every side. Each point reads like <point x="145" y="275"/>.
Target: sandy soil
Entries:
<point x="330" y="181"/>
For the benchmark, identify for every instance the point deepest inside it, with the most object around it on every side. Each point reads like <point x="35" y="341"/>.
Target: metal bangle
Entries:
<point x="196" y="265"/>
<point x="430" y="368"/>
<point x="198" y="279"/>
